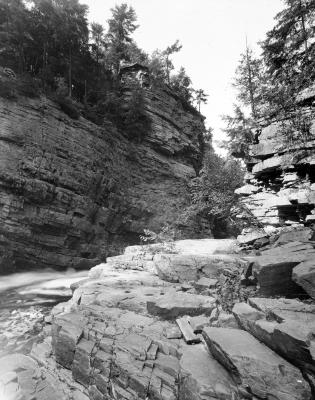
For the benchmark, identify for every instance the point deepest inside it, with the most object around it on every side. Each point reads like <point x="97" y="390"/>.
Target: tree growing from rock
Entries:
<point x="200" y="97"/>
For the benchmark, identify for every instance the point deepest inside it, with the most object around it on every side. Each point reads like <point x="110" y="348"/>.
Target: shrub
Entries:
<point x="6" y="90"/>
<point x="28" y="86"/>
<point x="212" y="193"/>
<point x="68" y="106"/>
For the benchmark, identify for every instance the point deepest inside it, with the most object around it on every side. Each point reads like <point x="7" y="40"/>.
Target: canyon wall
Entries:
<point x="279" y="186"/>
<point x="72" y="193"/>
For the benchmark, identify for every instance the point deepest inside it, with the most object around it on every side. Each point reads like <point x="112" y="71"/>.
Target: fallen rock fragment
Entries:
<point x="286" y="326"/>
<point x="177" y="304"/>
<point x="202" y="377"/>
<point x="258" y="370"/>
<point x="304" y="275"/>
<point x="273" y="268"/>
<point x="187" y="331"/>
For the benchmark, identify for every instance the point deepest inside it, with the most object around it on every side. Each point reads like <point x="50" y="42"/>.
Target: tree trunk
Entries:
<point x="70" y="73"/>
<point x="250" y="84"/>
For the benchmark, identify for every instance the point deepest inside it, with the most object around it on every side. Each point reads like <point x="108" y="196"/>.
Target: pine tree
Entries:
<point x="121" y="27"/>
<point x="169" y="66"/>
<point x="200" y="97"/>
<point x="248" y="81"/>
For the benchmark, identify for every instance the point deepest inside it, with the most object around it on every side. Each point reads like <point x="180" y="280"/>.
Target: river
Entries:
<point x="26" y="299"/>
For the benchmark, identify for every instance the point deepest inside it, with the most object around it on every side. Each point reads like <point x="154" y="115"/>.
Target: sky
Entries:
<point x="213" y="34"/>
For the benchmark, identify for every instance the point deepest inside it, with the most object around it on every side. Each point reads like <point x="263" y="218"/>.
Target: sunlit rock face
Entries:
<point x="280" y="184"/>
<point x="72" y="192"/>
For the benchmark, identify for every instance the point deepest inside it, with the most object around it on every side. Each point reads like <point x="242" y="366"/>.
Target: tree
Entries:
<point x="212" y="193"/>
<point x="248" y="81"/>
<point x="14" y="34"/>
<point x="200" y="97"/>
<point x="121" y="26"/>
<point x="174" y="48"/>
<point x="289" y="46"/>
<point x="240" y="131"/>
<point x="97" y="34"/>
<point x="181" y="84"/>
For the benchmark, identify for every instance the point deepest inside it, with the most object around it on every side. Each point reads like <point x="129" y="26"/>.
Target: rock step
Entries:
<point x="286" y="326"/>
<point x="258" y="370"/>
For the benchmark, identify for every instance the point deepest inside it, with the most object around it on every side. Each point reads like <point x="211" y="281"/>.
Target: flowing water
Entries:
<point x="26" y="299"/>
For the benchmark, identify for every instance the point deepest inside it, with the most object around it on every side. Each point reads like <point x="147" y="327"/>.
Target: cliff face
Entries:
<point x="71" y="192"/>
<point x="280" y="183"/>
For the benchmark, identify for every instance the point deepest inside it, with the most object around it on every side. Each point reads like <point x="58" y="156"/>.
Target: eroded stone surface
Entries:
<point x="255" y="367"/>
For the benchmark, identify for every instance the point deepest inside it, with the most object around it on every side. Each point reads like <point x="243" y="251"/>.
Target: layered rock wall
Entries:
<point x="71" y="192"/>
<point x="280" y="184"/>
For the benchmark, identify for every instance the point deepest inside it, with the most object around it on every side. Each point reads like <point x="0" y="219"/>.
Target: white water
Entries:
<point x="34" y="285"/>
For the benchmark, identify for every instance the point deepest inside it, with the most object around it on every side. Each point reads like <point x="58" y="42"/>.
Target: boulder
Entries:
<point x="258" y="370"/>
<point x="273" y="268"/>
<point x="202" y="377"/>
<point x="251" y="236"/>
<point x="177" y="304"/>
<point x="304" y="275"/>
<point x="190" y="267"/>
<point x="286" y="326"/>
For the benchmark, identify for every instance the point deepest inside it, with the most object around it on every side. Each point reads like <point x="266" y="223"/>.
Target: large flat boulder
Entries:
<point x="304" y="275"/>
<point x="258" y="370"/>
<point x="177" y="304"/>
<point x="273" y="268"/>
<point x="203" y="377"/>
<point x="190" y="267"/>
<point x="286" y="326"/>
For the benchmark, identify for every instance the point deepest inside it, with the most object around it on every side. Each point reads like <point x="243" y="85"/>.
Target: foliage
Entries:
<point x="248" y="81"/>
<point x="162" y="241"/>
<point x="270" y="85"/>
<point x="212" y="193"/>
<point x="6" y="90"/>
<point x="240" y="132"/>
<point x="136" y="122"/>
<point x="68" y="106"/>
<point x="200" y="97"/>
<point x="121" y="26"/>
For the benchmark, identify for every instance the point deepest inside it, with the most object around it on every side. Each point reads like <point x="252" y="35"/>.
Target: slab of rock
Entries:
<point x="304" y="275"/>
<point x="185" y="268"/>
<point x="22" y="378"/>
<point x="251" y="236"/>
<point x="273" y="268"/>
<point x="202" y="377"/>
<point x="205" y="283"/>
<point x="177" y="304"/>
<point x="199" y="322"/>
<point x="294" y="235"/>
<point x="258" y="370"/>
<point x="286" y="326"/>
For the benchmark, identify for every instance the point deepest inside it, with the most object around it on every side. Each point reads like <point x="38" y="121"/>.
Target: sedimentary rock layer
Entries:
<point x="71" y="192"/>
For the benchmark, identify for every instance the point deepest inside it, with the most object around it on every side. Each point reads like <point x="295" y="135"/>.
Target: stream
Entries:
<point x="26" y="299"/>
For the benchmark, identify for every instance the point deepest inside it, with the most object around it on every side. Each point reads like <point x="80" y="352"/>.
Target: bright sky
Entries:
<point x="213" y="34"/>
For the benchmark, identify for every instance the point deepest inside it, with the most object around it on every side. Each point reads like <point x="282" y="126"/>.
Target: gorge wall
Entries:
<point x="72" y="192"/>
<point x="279" y="185"/>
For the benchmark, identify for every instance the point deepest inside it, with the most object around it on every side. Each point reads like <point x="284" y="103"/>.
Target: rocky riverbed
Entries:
<point x="124" y="332"/>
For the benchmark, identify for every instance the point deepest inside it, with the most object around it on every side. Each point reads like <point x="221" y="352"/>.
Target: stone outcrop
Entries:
<point x="119" y="337"/>
<point x="286" y="326"/>
<point x="280" y="184"/>
<point x="72" y="192"/>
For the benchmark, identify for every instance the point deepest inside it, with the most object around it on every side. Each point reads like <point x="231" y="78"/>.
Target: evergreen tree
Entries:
<point x="248" y="81"/>
<point x="174" y="48"/>
<point x="181" y="84"/>
<point x="289" y="46"/>
<point x="240" y="131"/>
<point x="200" y="97"/>
<point x="15" y="38"/>
<point x="121" y="27"/>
